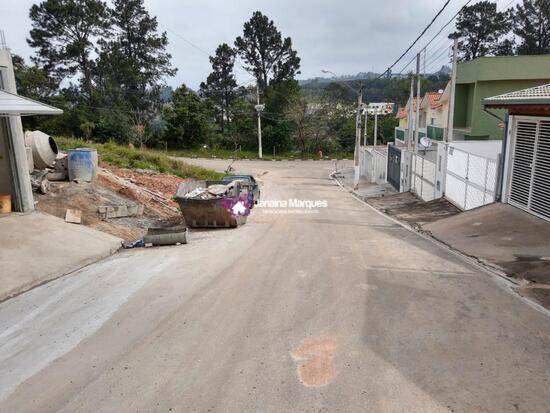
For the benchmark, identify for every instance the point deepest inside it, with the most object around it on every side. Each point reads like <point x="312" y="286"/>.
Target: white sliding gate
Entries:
<point x="470" y="179"/>
<point x="373" y="164"/>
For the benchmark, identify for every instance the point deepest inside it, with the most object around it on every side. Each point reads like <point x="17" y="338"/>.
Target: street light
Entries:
<point x="358" y="126"/>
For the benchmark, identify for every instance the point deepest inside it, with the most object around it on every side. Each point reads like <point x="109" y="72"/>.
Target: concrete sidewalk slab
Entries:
<point x="38" y="247"/>
<point x="365" y="188"/>
<point x="504" y="236"/>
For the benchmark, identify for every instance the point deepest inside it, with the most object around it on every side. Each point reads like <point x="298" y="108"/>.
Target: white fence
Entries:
<point x="423" y="177"/>
<point x="373" y="164"/>
<point x="470" y="180"/>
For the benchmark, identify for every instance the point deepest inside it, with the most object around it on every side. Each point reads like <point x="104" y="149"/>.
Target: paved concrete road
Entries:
<point x="338" y="311"/>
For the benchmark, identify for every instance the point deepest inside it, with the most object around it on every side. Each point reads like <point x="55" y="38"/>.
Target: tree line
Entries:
<point x="106" y="65"/>
<point x="482" y="30"/>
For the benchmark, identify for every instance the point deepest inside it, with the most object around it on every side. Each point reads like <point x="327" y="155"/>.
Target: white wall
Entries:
<point x="487" y="149"/>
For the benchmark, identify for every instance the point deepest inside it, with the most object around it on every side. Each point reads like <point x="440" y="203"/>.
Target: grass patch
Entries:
<point x="124" y="157"/>
<point x="230" y="154"/>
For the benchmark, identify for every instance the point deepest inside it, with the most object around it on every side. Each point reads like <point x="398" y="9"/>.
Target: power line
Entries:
<point x="190" y="43"/>
<point x="416" y="40"/>
<point x="432" y="39"/>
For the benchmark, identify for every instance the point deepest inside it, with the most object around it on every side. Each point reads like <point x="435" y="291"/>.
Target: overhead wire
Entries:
<point x="415" y="41"/>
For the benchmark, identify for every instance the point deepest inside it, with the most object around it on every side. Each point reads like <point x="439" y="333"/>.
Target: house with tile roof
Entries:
<point x="403" y="117"/>
<point x="526" y="144"/>
<point x="486" y="77"/>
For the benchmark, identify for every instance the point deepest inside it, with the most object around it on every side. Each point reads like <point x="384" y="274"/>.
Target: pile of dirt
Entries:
<point x="165" y="184"/>
<point x="115" y="187"/>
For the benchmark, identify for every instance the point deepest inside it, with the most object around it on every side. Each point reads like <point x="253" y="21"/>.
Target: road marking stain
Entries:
<point x="315" y="361"/>
<point x="368" y="287"/>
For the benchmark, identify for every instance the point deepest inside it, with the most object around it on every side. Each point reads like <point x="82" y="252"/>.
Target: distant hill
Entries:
<point x="394" y="88"/>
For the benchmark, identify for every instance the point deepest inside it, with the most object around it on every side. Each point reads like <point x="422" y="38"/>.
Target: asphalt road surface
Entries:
<point x="334" y="309"/>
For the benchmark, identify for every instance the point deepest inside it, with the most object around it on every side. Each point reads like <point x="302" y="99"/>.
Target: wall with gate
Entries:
<point x="423" y="175"/>
<point x="470" y="179"/>
<point x="373" y="164"/>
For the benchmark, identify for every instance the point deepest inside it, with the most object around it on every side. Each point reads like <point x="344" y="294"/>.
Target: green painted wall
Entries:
<point x="504" y="68"/>
<point x="435" y="132"/>
<point x="491" y="76"/>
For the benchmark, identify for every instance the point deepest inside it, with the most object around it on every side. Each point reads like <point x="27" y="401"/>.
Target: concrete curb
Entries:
<point x="54" y="276"/>
<point x="496" y="274"/>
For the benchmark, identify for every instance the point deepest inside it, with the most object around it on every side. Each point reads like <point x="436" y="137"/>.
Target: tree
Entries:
<point x="268" y="56"/>
<point x="189" y="120"/>
<point x="221" y="86"/>
<point x="298" y="114"/>
<point x="241" y="131"/>
<point x="479" y="29"/>
<point x="32" y="81"/>
<point x="133" y="61"/>
<point x="63" y="33"/>
<point x="532" y="26"/>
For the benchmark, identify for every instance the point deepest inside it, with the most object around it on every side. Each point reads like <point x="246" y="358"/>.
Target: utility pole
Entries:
<point x="357" y="137"/>
<point x="365" y="131"/>
<point x="451" y="114"/>
<point x="259" y="110"/>
<point x="375" y="127"/>
<point x="410" y="122"/>
<point x="448" y="136"/>
<point x="417" y="116"/>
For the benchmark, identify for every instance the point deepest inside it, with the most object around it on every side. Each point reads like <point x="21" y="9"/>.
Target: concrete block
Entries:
<point x="120" y="211"/>
<point x="73" y="216"/>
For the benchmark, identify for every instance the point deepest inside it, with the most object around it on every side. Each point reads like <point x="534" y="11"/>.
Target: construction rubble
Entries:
<point x="143" y="207"/>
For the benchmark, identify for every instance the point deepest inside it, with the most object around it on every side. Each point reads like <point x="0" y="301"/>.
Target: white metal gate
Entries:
<point x="373" y="164"/>
<point x="470" y="179"/>
<point x="423" y="177"/>
<point x="529" y="181"/>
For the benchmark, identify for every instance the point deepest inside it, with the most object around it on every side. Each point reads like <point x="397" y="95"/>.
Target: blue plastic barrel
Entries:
<point x="82" y="164"/>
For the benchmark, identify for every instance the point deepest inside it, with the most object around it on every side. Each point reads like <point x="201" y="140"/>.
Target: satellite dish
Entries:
<point x="426" y="142"/>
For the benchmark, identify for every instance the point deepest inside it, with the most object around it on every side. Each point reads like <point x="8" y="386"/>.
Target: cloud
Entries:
<point x="344" y="36"/>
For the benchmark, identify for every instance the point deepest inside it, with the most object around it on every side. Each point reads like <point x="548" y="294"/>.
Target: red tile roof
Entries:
<point x="433" y="99"/>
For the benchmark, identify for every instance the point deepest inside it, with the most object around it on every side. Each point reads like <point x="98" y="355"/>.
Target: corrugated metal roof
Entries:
<point x="11" y="104"/>
<point x="533" y="95"/>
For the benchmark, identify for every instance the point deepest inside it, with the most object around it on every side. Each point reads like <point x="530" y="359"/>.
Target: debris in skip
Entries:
<point x="215" y="204"/>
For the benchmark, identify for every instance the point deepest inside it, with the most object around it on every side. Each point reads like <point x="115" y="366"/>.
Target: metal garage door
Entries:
<point x="530" y="179"/>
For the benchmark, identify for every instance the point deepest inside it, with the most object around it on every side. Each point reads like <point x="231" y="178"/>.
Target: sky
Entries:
<point x="345" y="37"/>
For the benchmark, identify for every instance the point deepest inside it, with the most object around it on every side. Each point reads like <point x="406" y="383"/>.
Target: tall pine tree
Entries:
<point x="221" y="86"/>
<point x="133" y="60"/>
<point x="532" y="26"/>
<point x="63" y="32"/>
<point x="479" y="29"/>
<point x="268" y="56"/>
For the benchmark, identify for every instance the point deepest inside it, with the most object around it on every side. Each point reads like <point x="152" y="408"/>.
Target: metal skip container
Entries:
<point x="212" y="211"/>
<point x="82" y="164"/>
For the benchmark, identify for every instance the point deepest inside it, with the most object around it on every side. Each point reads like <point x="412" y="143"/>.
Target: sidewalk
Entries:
<point x="506" y="237"/>
<point x="38" y="247"/>
<point x="498" y="235"/>
<point x="366" y="189"/>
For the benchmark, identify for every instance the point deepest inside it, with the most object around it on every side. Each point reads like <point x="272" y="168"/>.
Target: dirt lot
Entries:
<point x="115" y="187"/>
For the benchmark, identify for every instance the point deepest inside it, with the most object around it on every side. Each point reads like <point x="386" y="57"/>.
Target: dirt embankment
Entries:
<point x="116" y="187"/>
